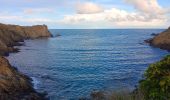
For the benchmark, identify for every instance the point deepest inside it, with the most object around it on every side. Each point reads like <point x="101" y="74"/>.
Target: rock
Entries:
<point x="45" y="76"/>
<point x="148" y="40"/>
<point x="15" y="85"/>
<point x="57" y="35"/>
<point x="10" y="35"/>
<point x="161" y="40"/>
<point x="97" y="95"/>
<point x="154" y="34"/>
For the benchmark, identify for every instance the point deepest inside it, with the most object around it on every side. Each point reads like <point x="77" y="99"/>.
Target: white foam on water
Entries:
<point x="35" y="82"/>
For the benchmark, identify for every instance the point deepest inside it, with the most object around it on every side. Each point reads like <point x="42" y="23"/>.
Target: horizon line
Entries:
<point x="102" y="28"/>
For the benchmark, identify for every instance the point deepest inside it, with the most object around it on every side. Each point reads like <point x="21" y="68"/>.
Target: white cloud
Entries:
<point x="36" y="20"/>
<point x="115" y="17"/>
<point x="21" y="19"/>
<point x="147" y="6"/>
<point x="37" y="10"/>
<point x="8" y="17"/>
<point x="88" y="8"/>
<point x="147" y="13"/>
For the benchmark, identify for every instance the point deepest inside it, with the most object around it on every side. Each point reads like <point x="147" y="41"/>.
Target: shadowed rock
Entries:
<point x="15" y="85"/>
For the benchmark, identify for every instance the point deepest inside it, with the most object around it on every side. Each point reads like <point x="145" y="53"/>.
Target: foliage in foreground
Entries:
<point x="156" y="85"/>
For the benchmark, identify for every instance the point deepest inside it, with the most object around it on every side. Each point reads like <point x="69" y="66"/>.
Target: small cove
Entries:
<point x="80" y="61"/>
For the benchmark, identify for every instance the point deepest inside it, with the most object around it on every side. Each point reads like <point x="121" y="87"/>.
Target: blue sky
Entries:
<point x="87" y="13"/>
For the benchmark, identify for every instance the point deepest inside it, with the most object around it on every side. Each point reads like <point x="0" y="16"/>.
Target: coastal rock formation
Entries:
<point x="15" y="85"/>
<point x="10" y="35"/>
<point x="161" y="40"/>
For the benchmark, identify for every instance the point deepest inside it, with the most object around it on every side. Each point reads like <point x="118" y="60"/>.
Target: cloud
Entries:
<point x="36" y="20"/>
<point x="38" y="10"/>
<point x="146" y="13"/>
<point x="147" y="6"/>
<point x="9" y="17"/>
<point x="88" y="8"/>
<point x="115" y="17"/>
<point x="151" y="9"/>
<point x="21" y="19"/>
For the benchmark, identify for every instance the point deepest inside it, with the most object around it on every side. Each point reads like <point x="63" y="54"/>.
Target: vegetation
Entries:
<point x="156" y="85"/>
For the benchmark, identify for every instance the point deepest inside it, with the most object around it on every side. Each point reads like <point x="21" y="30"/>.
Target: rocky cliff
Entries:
<point x="15" y="85"/>
<point x="10" y="35"/>
<point x="161" y="40"/>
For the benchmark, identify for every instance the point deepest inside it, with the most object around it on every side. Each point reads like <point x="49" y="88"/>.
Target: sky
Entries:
<point x="87" y="14"/>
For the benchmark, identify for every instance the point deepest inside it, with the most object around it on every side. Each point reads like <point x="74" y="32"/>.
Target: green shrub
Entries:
<point x="156" y="85"/>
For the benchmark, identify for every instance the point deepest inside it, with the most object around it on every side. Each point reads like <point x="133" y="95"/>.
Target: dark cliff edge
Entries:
<point x="161" y="40"/>
<point x="13" y="84"/>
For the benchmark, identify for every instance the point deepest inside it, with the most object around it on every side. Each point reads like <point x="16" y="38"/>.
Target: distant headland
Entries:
<point x="11" y="35"/>
<point x="161" y="40"/>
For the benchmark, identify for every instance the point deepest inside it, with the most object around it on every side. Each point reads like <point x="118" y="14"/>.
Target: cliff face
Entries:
<point x="10" y="35"/>
<point x="15" y="85"/>
<point x="161" y="40"/>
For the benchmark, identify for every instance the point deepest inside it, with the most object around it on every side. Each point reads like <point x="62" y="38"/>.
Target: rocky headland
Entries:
<point x="13" y="84"/>
<point x="11" y="35"/>
<point x="161" y="40"/>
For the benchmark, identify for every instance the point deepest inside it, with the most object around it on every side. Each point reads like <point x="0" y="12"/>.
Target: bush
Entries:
<point x="156" y="85"/>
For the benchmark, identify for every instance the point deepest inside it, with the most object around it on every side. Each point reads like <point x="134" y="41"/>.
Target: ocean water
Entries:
<point x="81" y="61"/>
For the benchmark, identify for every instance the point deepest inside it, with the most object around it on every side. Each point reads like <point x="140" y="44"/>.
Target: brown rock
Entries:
<point x="15" y="85"/>
<point x="10" y="35"/>
<point x="161" y="40"/>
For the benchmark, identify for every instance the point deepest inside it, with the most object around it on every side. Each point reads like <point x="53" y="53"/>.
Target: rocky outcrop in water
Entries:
<point x="161" y="40"/>
<point x="10" y="35"/>
<point x="15" y="85"/>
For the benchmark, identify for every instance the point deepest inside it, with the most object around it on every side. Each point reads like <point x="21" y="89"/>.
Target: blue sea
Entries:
<point x="81" y="61"/>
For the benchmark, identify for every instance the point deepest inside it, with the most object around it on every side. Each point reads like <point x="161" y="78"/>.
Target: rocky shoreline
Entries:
<point x="13" y="84"/>
<point x="161" y="40"/>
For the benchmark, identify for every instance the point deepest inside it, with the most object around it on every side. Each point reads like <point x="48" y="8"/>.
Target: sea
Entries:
<point x="76" y="62"/>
